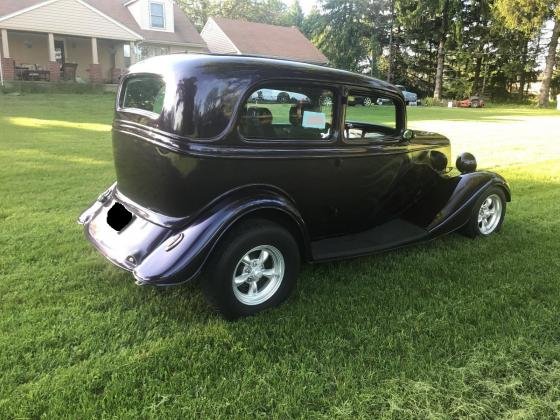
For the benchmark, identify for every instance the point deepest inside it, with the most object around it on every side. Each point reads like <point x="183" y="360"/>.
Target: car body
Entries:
<point x="472" y="102"/>
<point x="199" y="169"/>
<point x="410" y="98"/>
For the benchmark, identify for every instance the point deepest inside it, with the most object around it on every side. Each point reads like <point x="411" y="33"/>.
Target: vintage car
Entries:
<point x="211" y="185"/>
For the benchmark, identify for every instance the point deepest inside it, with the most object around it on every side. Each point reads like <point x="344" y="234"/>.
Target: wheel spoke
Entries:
<point x="242" y="278"/>
<point x="263" y="256"/>
<point x="269" y="273"/>
<point x="252" y="288"/>
<point x="246" y="260"/>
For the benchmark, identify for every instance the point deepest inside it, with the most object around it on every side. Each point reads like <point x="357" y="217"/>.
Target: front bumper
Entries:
<point x="129" y="247"/>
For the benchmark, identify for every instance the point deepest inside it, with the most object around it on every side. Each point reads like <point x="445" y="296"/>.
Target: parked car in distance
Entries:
<point x="472" y="102"/>
<point x="211" y="185"/>
<point x="361" y="100"/>
<point x="410" y="98"/>
<point x="273" y="95"/>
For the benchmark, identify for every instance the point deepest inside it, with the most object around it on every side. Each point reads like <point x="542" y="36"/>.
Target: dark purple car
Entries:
<point x="211" y="182"/>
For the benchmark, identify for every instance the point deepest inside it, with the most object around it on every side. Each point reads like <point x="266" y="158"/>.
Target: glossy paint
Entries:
<point x="188" y="174"/>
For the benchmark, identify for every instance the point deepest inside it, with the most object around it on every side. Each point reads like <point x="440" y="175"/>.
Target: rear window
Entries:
<point x="143" y="93"/>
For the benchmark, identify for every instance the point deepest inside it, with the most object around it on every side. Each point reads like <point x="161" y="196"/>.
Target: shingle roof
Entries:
<point x="185" y="32"/>
<point x="270" y="40"/>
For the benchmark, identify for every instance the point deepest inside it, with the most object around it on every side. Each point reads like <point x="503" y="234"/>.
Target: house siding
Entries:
<point x="216" y="39"/>
<point x="68" y="17"/>
<point x="140" y="10"/>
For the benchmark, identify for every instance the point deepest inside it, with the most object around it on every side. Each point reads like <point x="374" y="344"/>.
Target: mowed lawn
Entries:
<point x="453" y="328"/>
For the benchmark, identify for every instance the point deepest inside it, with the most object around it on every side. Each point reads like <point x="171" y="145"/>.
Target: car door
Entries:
<point x="377" y="174"/>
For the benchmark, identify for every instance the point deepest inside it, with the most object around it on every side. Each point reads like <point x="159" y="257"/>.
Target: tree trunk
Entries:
<point x="523" y="75"/>
<point x="441" y="51"/>
<point x="550" y="62"/>
<point x="391" y="48"/>
<point x="439" y="70"/>
<point x="477" y="70"/>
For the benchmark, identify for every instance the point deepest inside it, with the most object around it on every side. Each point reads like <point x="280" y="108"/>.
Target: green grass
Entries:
<point x="454" y="328"/>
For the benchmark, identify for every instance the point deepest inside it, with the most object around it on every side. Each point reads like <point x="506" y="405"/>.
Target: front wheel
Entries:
<point x="488" y="214"/>
<point x="367" y="101"/>
<point x="253" y="268"/>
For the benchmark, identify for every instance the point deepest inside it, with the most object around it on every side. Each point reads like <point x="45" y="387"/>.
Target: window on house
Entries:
<point x="369" y="117"/>
<point x="288" y="113"/>
<point x="157" y="15"/>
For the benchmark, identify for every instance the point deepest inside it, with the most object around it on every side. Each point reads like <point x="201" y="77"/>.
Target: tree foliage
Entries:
<point x="444" y="48"/>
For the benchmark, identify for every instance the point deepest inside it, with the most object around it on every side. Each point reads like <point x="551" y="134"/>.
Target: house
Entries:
<point x="228" y="36"/>
<point x="95" y="39"/>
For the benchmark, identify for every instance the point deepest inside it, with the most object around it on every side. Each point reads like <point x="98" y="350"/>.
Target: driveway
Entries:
<point x="501" y="140"/>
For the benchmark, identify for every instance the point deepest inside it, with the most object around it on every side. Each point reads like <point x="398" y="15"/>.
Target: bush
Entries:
<point x="429" y="101"/>
<point x="51" y="87"/>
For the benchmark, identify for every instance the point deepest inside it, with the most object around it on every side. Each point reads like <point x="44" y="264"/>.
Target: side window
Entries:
<point x="369" y="116"/>
<point x="288" y="113"/>
<point x="145" y="93"/>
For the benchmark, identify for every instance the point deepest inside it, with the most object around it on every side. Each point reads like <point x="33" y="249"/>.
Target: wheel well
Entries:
<point x="284" y="220"/>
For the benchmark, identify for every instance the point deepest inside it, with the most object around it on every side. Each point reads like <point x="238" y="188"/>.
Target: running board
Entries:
<point x="390" y="235"/>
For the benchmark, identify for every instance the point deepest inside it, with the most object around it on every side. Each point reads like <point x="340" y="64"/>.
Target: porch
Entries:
<point x="37" y="56"/>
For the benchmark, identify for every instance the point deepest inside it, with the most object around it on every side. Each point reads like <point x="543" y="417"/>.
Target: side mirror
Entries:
<point x="407" y="135"/>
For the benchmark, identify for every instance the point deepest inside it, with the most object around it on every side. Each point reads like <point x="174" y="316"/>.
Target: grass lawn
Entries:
<point x="453" y="328"/>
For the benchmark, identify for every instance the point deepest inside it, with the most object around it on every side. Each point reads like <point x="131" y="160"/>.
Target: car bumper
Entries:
<point x="130" y="246"/>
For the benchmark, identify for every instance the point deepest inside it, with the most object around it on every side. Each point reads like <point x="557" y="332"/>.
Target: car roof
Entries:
<point x="254" y="68"/>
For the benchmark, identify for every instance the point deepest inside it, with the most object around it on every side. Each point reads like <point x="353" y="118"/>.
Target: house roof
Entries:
<point x="270" y="40"/>
<point x="185" y="32"/>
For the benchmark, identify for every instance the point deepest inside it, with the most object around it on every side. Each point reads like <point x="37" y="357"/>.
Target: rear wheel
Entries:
<point x="367" y="101"/>
<point x="253" y="268"/>
<point x="488" y="214"/>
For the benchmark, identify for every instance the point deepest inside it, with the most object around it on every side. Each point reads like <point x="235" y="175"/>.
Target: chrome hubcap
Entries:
<point x="367" y="101"/>
<point x="258" y="275"/>
<point x="489" y="214"/>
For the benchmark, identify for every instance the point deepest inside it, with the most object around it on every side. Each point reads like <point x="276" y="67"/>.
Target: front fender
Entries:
<point x="459" y="207"/>
<point x="182" y="256"/>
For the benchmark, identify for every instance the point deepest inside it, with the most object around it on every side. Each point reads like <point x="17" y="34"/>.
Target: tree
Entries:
<point x="295" y="16"/>
<point x="529" y="16"/>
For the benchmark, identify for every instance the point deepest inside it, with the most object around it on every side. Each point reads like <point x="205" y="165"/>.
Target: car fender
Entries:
<point x="182" y="256"/>
<point x="458" y="209"/>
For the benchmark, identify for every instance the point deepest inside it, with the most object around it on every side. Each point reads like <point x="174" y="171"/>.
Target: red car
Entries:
<point x="472" y="102"/>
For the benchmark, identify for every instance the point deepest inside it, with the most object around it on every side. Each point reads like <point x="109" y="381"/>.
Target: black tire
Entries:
<point x="217" y="284"/>
<point x="473" y="229"/>
<point x="283" y="97"/>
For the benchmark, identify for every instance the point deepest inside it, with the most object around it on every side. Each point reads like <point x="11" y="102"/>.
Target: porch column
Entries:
<point x="132" y="53"/>
<point x="5" y="44"/>
<point x="52" y="66"/>
<point x="8" y="63"/>
<point x="94" y="68"/>
<point x="94" y="53"/>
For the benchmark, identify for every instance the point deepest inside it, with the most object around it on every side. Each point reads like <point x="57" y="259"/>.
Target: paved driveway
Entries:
<point x="501" y="141"/>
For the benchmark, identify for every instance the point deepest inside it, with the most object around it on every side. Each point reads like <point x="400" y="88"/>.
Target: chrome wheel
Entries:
<point x="367" y="101"/>
<point x="258" y="275"/>
<point x="489" y="214"/>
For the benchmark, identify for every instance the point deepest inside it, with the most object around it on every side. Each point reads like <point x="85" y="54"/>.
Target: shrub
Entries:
<point x="51" y="87"/>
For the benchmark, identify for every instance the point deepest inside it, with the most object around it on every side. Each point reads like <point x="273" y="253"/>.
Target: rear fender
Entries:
<point x="182" y="256"/>
<point x="458" y="209"/>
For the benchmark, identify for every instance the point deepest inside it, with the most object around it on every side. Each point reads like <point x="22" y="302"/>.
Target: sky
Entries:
<point x="306" y="5"/>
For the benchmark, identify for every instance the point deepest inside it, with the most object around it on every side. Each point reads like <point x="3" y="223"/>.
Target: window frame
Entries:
<point x="138" y="111"/>
<point x="400" y="116"/>
<point x="159" y="3"/>
<point x="273" y="84"/>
